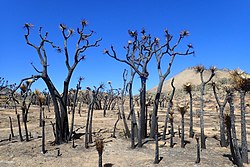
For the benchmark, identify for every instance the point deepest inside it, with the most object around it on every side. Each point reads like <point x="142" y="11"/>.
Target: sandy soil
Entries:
<point x="117" y="151"/>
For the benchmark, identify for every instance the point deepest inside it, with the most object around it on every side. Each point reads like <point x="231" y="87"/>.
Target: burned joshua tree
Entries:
<point x="99" y="148"/>
<point x="241" y="82"/>
<point x="188" y="89"/>
<point x="182" y="110"/>
<point x="230" y="122"/>
<point x="88" y="133"/>
<point x="222" y="106"/>
<point x="59" y="100"/>
<point x="161" y="53"/>
<point x="201" y="69"/>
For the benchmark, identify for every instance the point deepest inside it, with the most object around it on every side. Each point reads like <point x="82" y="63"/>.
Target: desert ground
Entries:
<point x="117" y="151"/>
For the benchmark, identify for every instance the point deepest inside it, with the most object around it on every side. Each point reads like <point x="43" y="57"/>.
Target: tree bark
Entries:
<point x="203" y="139"/>
<point x="73" y="110"/>
<point x="155" y="108"/>
<point x="87" y="126"/>
<point x="143" y="131"/>
<point x="170" y="105"/>
<point x="237" y="158"/>
<point x="100" y="160"/>
<point x="54" y="95"/>
<point x="19" y="127"/>
<point x="171" y="132"/>
<point x="182" y="131"/>
<point x="222" y="125"/>
<point x="139" y="132"/>
<point x="244" y="146"/>
<point x="11" y="127"/>
<point x="157" y="160"/>
<point x="191" y="131"/>
<point x="198" y="159"/>
<point x="43" y="137"/>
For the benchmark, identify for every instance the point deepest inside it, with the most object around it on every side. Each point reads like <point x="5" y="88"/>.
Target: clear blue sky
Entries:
<point x="219" y="32"/>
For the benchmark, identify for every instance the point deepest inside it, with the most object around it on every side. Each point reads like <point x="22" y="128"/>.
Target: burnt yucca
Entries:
<point x="37" y="92"/>
<point x="29" y="81"/>
<point x="182" y="109"/>
<point x="184" y="33"/>
<point x="212" y="69"/>
<point x="199" y="68"/>
<point x="187" y="87"/>
<point x="23" y="88"/>
<point x="241" y="80"/>
<point x="84" y="22"/>
<point x="99" y="146"/>
<point x="41" y="99"/>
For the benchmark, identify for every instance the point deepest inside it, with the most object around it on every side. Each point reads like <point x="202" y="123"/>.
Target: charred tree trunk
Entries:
<point x="116" y="122"/>
<point x="19" y="127"/>
<point x="170" y="105"/>
<point x="78" y="87"/>
<point x="203" y="139"/>
<point x="198" y="159"/>
<point x="11" y="127"/>
<point x="244" y="146"/>
<point x="80" y="107"/>
<point x="142" y="123"/>
<point x="182" y="131"/>
<point x="236" y="151"/>
<point x="87" y="127"/>
<point x="88" y="133"/>
<point x="191" y="131"/>
<point x="155" y="108"/>
<point x="26" y="130"/>
<point x="52" y="90"/>
<point x="43" y="137"/>
<point x="228" y="124"/>
<point x="139" y="131"/>
<point x="41" y="116"/>
<point x="90" y="123"/>
<point x="122" y="101"/>
<point x="171" y="118"/>
<point x="25" y="112"/>
<point x="132" y="111"/>
<point x="200" y="69"/>
<point x="105" y="105"/>
<point x="157" y="160"/>
<point x="221" y="108"/>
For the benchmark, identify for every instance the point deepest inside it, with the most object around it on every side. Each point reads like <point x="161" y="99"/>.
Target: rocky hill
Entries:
<point x="189" y="75"/>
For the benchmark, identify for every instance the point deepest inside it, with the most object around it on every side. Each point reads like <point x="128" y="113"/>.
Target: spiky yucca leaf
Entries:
<point x="23" y="88"/>
<point x="84" y="22"/>
<point x="213" y="69"/>
<point x="199" y="68"/>
<point x="29" y="81"/>
<point x="37" y="92"/>
<point x="41" y="99"/>
<point x="99" y="145"/>
<point x="241" y="80"/>
<point x="184" y="33"/>
<point x="187" y="87"/>
<point x="182" y="109"/>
